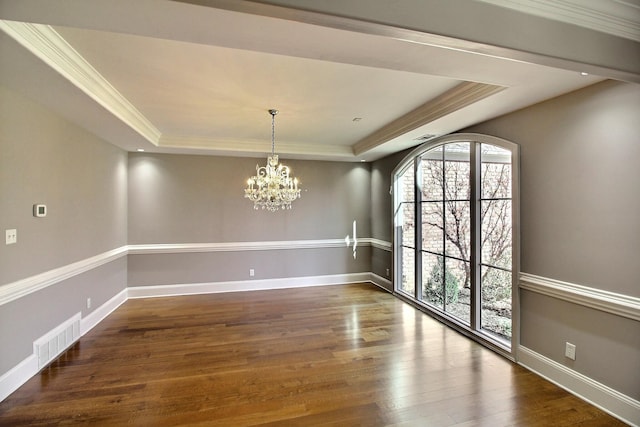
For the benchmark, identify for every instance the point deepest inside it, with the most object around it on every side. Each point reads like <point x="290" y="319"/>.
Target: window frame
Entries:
<point x="473" y="329"/>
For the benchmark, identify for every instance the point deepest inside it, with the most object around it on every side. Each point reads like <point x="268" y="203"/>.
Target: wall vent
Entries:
<point x="53" y="343"/>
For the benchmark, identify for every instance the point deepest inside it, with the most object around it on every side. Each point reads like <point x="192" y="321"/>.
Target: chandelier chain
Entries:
<point x="273" y="131"/>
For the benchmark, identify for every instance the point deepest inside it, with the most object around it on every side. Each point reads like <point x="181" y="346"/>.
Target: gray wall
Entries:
<point x="189" y="199"/>
<point x="83" y="182"/>
<point x="580" y="185"/>
<point x="200" y="199"/>
<point x="381" y="201"/>
<point x="580" y="223"/>
<point x="381" y="215"/>
<point x="81" y="179"/>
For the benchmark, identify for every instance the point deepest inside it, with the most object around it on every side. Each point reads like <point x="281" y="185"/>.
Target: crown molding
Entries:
<point x="45" y="43"/>
<point x="256" y="146"/>
<point x="454" y="99"/>
<point x="606" y="16"/>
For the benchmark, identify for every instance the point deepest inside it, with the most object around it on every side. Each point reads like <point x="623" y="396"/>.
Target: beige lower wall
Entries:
<point x="26" y="319"/>
<point x="211" y="267"/>
<point x="381" y="264"/>
<point x="607" y="348"/>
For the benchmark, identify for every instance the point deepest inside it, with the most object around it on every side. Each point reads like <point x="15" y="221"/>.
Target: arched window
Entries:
<point x="456" y="234"/>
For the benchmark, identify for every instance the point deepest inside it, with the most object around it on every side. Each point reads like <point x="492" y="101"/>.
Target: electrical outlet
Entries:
<point x="88" y="302"/>
<point x="387" y="272"/>
<point x="252" y="272"/>
<point x="11" y="236"/>
<point x="570" y="351"/>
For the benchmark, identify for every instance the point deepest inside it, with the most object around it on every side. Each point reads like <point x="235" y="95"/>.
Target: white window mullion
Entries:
<point x="476" y="231"/>
<point x="418" y="228"/>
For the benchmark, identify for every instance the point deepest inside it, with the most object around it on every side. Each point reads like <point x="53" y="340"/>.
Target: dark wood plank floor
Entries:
<point x="331" y="355"/>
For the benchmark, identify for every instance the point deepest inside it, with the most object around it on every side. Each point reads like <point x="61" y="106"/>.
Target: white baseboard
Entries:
<point x="381" y="282"/>
<point x="609" y="400"/>
<point x="245" y="285"/>
<point x="17" y="376"/>
<point x="96" y="316"/>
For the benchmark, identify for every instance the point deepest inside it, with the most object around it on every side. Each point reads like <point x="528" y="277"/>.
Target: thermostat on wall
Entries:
<point x="39" y="210"/>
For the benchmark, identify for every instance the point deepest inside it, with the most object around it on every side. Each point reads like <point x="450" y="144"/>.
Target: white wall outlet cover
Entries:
<point x="570" y="351"/>
<point x="11" y="236"/>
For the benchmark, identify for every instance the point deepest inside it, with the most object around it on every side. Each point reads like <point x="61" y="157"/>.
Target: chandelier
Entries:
<point x="272" y="188"/>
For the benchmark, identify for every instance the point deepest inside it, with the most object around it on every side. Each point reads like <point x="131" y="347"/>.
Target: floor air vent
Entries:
<point x="50" y="345"/>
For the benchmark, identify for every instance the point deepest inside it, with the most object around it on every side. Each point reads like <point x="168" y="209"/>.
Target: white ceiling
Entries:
<point x="173" y="76"/>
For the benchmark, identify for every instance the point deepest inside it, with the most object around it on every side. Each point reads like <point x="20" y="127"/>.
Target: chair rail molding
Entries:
<point x="12" y="291"/>
<point x="610" y="302"/>
<point x="20" y="288"/>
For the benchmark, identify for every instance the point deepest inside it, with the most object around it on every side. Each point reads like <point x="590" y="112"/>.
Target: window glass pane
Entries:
<point x="456" y="171"/>
<point x="496" y="172"/>
<point x="496" y="233"/>
<point x="457" y="151"/>
<point x="432" y="178"/>
<point x="458" y="292"/>
<point x="432" y="228"/>
<point x="495" y="315"/>
<point x="458" y="229"/>
<point x="432" y="280"/>
<point x="408" y="224"/>
<point x="408" y="271"/>
<point x="406" y="185"/>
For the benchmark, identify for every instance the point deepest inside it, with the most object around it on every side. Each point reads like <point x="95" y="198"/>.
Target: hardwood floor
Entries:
<point x="330" y="355"/>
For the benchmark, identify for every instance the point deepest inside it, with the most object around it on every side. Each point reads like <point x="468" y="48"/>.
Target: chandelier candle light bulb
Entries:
<point x="275" y="188"/>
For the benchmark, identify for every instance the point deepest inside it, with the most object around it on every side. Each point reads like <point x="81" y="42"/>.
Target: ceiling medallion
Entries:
<point x="272" y="188"/>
